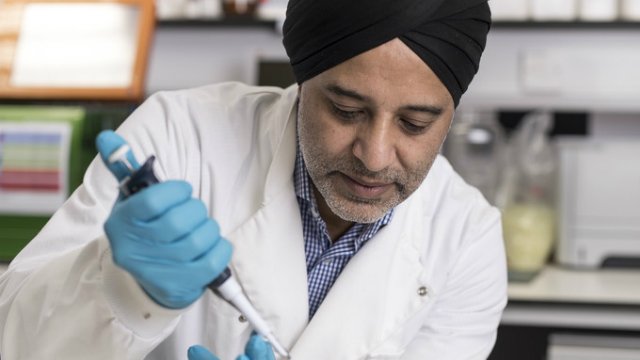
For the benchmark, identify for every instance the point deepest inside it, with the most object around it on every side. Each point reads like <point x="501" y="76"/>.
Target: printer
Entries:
<point x="599" y="202"/>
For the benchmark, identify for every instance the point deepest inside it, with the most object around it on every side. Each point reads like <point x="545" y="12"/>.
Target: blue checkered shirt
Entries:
<point x="325" y="260"/>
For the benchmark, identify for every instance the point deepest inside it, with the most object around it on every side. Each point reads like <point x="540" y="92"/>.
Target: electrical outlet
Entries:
<point x="543" y="70"/>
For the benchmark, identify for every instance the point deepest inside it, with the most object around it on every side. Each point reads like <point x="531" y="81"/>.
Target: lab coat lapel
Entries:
<point x="375" y="293"/>
<point x="269" y="259"/>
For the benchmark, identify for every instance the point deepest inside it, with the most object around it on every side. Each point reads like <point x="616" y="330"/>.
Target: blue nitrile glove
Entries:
<point x="256" y="349"/>
<point x="163" y="237"/>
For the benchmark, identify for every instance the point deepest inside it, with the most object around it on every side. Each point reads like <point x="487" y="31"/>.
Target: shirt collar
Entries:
<point x="301" y="180"/>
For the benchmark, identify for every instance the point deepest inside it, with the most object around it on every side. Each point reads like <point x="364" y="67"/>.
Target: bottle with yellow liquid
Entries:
<point x="529" y="235"/>
<point x="526" y="198"/>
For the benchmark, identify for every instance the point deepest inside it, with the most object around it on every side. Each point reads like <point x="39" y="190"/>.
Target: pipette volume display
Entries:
<point x="224" y="285"/>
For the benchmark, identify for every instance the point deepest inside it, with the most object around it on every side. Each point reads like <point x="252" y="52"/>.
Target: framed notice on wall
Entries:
<point x="74" y="49"/>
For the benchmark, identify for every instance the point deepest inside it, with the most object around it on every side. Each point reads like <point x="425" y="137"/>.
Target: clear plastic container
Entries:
<point x="474" y="147"/>
<point x="527" y="197"/>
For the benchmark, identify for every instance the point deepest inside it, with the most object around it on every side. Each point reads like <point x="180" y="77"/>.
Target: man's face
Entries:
<point x="370" y="128"/>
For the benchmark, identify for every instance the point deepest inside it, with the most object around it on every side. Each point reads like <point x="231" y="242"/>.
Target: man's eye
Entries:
<point x="413" y="128"/>
<point x="346" y="114"/>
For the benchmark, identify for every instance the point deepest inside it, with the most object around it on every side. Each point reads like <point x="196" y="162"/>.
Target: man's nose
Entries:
<point x="374" y="145"/>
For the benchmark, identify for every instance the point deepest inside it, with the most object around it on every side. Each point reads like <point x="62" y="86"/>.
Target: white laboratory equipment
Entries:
<point x="630" y="9"/>
<point x="554" y="10"/>
<point x="170" y="9"/>
<point x="599" y="203"/>
<point x="509" y="10"/>
<point x="598" y="10"/>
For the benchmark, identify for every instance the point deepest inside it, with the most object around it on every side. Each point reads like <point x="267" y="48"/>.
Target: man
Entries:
<point x="351" y="236"/>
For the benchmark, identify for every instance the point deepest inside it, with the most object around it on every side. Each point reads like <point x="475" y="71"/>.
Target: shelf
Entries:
<point x="564" y="102"/>
<point x="257" y="22"/>
<point x="569" y="25"/>
<point x="218" y="23"/>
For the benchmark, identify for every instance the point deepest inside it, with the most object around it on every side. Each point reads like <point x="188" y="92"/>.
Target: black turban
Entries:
<point x="448" y="35"/>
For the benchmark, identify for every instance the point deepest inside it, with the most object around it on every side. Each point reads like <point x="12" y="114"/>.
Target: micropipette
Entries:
<point x="225" y="285"/>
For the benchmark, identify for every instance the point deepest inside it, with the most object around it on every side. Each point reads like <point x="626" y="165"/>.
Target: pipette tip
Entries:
<point x="277" y="346"/>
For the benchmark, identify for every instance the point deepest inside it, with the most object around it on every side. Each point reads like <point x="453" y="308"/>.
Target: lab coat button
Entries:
<point x="242" y="319"/>
<point x="422" y="291"/>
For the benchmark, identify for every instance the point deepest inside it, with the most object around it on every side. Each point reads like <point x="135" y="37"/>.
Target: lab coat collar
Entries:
<point x="280" y="174"/>
<point x="269" y="259"/>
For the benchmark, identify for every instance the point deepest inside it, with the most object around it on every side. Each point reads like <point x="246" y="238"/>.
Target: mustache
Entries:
<point x="352" y="166"/>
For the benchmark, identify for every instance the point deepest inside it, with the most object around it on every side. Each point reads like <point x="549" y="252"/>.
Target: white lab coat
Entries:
<point x="430" y="285"/>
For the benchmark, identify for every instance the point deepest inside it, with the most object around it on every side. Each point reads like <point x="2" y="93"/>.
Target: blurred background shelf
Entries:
<point x="554" y="25"/>
<point x="218" y="23"/>
<point x="561" y="102"/>
<point x="257" y="22"/>
<point x="527" y="64"/>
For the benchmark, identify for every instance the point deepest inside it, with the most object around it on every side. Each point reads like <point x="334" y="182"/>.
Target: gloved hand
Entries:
<point x="256" y="349"/>
<point x="163" y="237"/>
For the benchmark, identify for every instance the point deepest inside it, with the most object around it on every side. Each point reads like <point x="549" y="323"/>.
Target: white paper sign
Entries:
<point x="76" y="45"/>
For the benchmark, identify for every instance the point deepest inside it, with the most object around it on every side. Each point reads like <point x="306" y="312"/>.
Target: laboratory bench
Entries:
<point x="565" y="313"/>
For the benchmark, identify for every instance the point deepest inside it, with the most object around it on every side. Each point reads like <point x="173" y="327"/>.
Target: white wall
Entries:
<point x="562" y="69"/>
<point x="187" y="57"/>
<point x="569" y="69"/>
